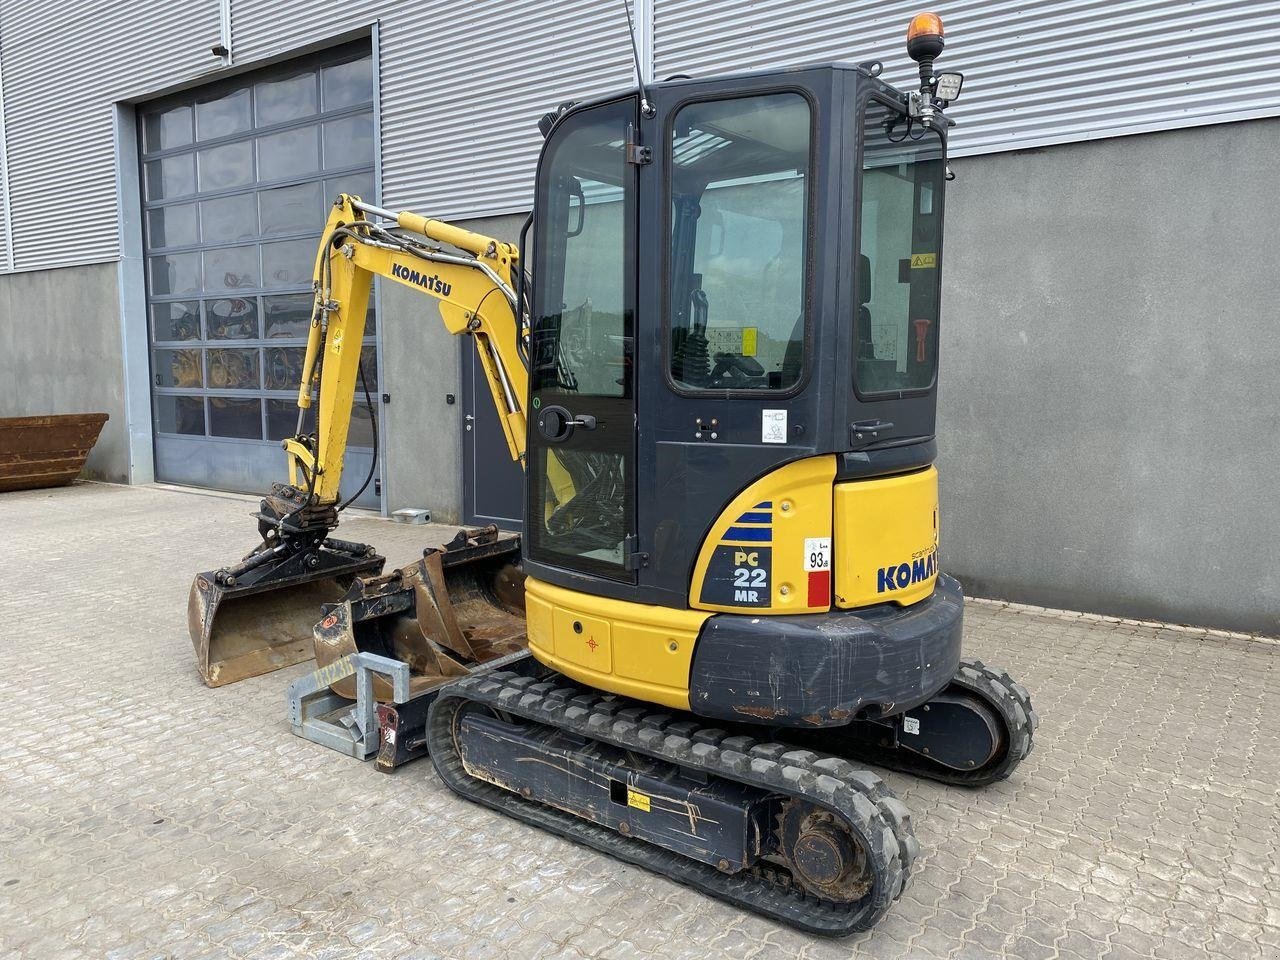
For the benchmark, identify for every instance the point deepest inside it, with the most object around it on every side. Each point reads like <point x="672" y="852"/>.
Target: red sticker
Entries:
<point x="819" y="588"/>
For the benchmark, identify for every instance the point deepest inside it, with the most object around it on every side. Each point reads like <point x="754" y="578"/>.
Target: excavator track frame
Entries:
<point x="1008" y="701"/>
<point x="858" y="798"/>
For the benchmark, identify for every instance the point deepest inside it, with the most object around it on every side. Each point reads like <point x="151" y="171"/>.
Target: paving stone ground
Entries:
<point x="143" y="815"/>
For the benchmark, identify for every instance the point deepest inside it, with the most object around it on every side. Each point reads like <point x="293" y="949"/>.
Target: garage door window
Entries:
<point x="236" y="184"/>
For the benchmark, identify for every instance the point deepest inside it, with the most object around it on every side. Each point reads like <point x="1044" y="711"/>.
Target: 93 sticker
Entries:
<point x="817" y="553"/>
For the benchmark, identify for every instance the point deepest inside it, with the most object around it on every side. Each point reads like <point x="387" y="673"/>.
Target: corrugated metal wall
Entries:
<point x="5" y="240"/>
<point x="1037" y="72"/>
<point x="65" y="64"/>
<point x="464" y="84"/>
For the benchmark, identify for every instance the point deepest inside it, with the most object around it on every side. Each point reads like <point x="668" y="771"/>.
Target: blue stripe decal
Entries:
<point x="767" y="505"/>
<point x="750" y="534"/>
<point x="756" y="518"/>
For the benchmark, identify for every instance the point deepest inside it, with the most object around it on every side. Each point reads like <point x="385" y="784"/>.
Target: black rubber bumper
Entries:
<point x="824" y="670"/>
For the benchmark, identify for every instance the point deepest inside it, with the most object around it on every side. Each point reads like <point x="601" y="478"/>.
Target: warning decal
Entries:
<point x="817" y="565"/>
<point x="773" y="426"/>
<point x="638" y="800"/>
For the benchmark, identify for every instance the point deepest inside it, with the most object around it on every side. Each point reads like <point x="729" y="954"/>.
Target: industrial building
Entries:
<point x="1108" y="415"/>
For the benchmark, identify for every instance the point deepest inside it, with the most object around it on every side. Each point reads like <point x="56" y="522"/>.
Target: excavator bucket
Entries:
<point x="460" y="606"/>
<point x="257" y="616"/>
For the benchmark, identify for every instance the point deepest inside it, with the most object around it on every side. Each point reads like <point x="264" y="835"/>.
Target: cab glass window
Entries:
<point x="899" y="263"/>
<point x="738" y="255"/>
<point x="581" y="346"/>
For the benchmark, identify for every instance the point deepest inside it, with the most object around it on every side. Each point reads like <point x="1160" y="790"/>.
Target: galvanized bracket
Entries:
<point x="318" y="714"/>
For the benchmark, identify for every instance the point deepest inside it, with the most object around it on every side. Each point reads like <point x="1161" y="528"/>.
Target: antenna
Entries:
<point x="646" y="108"/>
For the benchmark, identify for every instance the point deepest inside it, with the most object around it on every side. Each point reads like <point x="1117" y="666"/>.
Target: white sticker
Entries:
<point x="911" y="725"/>
<point x="773" y="426"/>
<point x="817" y="553"/>
<point x="390" y="734"/>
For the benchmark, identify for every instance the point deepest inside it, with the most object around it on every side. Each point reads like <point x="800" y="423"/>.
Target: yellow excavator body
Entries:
<point x="726" y="595"/>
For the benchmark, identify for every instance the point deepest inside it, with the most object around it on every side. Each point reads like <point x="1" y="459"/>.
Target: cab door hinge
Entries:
<point x="637" y="152"/>
<point x="633" y="558"/>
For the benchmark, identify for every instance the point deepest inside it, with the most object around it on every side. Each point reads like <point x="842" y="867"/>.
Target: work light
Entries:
<point x="946" y="86"/>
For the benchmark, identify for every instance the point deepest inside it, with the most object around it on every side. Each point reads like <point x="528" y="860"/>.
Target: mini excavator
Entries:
<point x="719" y="373"/>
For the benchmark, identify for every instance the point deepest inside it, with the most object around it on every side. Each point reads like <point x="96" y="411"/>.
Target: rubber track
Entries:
<point x="880" y="819"/>
<point x="1011" y="703"/>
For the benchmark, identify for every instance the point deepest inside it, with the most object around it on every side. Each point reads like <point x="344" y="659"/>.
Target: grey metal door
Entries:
<point x="237" y="179"/>
<point x="492" y="483"/>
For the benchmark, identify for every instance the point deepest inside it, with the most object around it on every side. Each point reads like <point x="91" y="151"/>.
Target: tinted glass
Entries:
<point x="235" y="418"/>
<point x="235" y="318"/>
<point x="290" y="153"/>
<point x="347" y="84"/>
<point x="169" y="177"/>
<point x="223" y="116"/>
<point x="581" y="346"/>
<point x="251" y="160"/>
<point x="348" y="142"/>
<point x="369" y="366"/>
<point x="282" y="368"/>
<point x="226" y="166"/>
<point x="177" y="320"/>
<point x="178" y="414"/>
<point x="356" y="184"/>
<point x="288" y="98"/>
<point x="295" y="209"/>
<point x="231" y="268"/>
<point x="232" y="369"/>
<point x="228" y="218"/>
<point x="900" y="234"/>
<point x="177" y="368"/>
<point x="282" y="419"/>
<point x="288" y="263"/>
<point x="172" y="226"/>
<point x="175" y="273"/>
<point x="166" y="129"/>
<point x="360" y="433"/>
<point x="288" y="316"/>
<point x="738" y="254"/>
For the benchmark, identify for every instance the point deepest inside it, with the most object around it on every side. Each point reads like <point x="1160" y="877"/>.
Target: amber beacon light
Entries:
<point x="925" y="36"/>
<point x="925" y="40"/>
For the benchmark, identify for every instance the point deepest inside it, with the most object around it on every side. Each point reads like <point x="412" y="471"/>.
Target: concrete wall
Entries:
<point x="60" y="352"/>
<point x="421" y="366"/>
<point x="1109" y="424"/>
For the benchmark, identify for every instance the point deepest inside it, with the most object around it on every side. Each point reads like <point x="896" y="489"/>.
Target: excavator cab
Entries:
<point x="734" y="275"/>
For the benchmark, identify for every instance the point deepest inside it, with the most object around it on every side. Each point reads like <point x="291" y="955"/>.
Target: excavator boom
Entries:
<point x="257" y="615"/>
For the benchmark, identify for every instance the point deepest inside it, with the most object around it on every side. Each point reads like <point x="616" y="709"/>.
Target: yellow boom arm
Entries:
<point x="475" y="292"/>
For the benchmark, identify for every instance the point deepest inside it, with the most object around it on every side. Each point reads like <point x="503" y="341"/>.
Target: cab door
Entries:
<point x="581" y="462"/>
